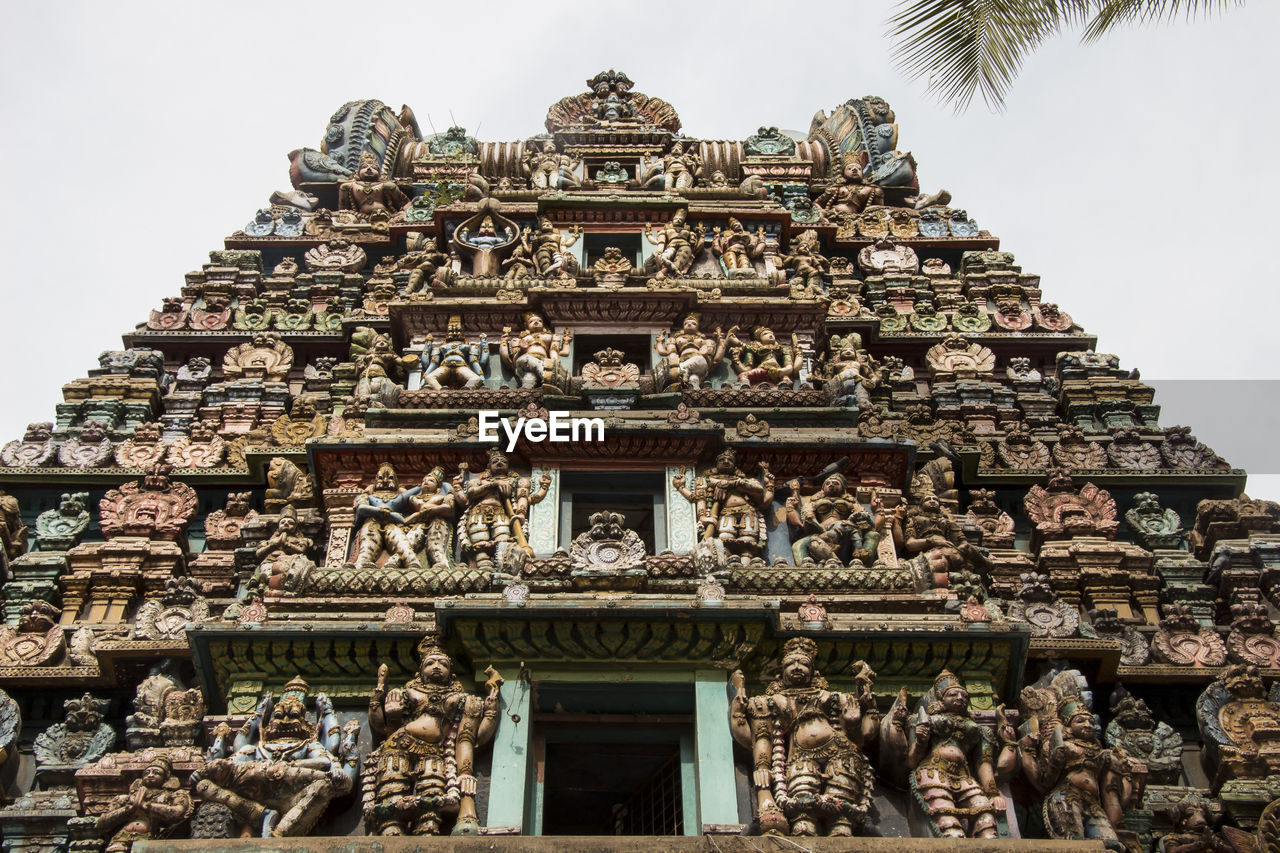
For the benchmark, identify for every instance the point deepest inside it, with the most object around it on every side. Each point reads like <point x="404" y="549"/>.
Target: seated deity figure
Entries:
<point x="804" y="262"/>
<point x="454" y="363"/>
<point x="955" y="763"/>
<point x="281" y="770"/>
<point x="534" y="352"/>
<point x="676" y="170"/>
<point x="811" y="775"/>
<point x="284" y="548"/>
<point x="548" y="169"/>
<point x="850" y="372"/>
<point x="381" y="509"/>
<point x="381" y="373"/>
<point x="424" y="769"/>
<point x="435" y="509"/>
<point x="368" y="193"/>
<point x="156" y="801"/>
<point x="689" y="355"/>
<point x="737" y="247"/>
<point x="549" y="249"/>
<point x="929" y="530"/>
<point x="729" y="505"/>
<point x="849" y="196"/>
<point x="497" y="515"/>
<point x="827" y="522"/>
<point x="427" y="265"/>
<point x="762" y="360"/>
<point x="679" y="245"/>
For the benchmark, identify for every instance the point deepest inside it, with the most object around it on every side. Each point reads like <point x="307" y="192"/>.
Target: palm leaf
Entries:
<point x="1114" y="13"/>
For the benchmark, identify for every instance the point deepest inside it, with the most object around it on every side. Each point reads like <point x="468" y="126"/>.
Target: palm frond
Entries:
<point x="966" y="47"/>
<point x="1114" y="13"/>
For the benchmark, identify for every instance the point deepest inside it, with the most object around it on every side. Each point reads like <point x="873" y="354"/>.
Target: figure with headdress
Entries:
<point x="548" y="169"/>
<point x="679" y="245"/>
<point x="1087" y="786"/>
<point x="810" y="772"/>
<point x="279" y="773"/>
<point x="804" y="262"/>
<point x="533" y="353"/>
<point x="851" y="373"/>
<point x="433" y="511"/>
<point x="454" y="363"/>
<point x="381" y="509"/>
<point x="366" y="192"/>
<point x="954" y="763"/>
<point x="381" y="374"/>
<point x="730" y="505"/>
<point x="928" y="531"/>
<point x="284" y="549"/>
<point x="497" y="515"/>
<point x="424" y="770"/>
<point x="689" y="356"/>
<point x="737" y="247"/>
<point x="762" y="360"/>
<point x="155" y="803"/>
<point x="675" y="170"/>
<point x="831" y="523"/>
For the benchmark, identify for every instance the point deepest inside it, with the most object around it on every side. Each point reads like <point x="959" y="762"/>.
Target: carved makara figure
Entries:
<point x="851" y="373"/>
<point x="156" y="802"/>
<point x="810" y="774"/>
<point x="689" y="355"/>
<point x="279" y="773"/>
<point x="737" y="248"/>
<point x="804" y="262"/>
<point x="676" y="170"/>
<point x="548" y="169"/>
<point x="1087" y="786"/>
<point x="455" y="363"/>
<point x="534" y="353"/>
<point x="762" y="360"/>
<point x="955" y="764"/>
<point x="368" y="192"/>
<point x="679" y="245"/>
<point x="424" y="769"/>
<point x="497" y="515"/>
<point x="728" y="504"/>
<point x="381" y="508"/>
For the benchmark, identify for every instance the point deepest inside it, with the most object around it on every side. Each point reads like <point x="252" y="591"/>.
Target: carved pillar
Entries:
<point x="339" y="505"/>
<point x="544" y="516"/>
<point x="682" y="528"/>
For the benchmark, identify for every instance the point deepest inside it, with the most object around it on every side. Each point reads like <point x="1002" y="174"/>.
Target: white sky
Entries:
<point x="1136" y="176"/>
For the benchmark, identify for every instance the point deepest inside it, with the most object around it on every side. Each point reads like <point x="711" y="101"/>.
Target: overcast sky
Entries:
<point x="1137" y="176"/>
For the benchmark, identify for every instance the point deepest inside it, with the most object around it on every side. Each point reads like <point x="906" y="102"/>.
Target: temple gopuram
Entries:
<point x="636" y="491"/>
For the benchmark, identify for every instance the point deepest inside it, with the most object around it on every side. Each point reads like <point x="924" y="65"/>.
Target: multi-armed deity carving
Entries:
<point x="156" y="802"/>
<point x="689" y="355"/>
<point x="762" y="360"/>
<point x="851" y="373"/>
<point x="954" y="764"/>
<point x="729" y="505"/>
<point x="678" y="169"/>
<point x="1086" y="785"/>
<point x="454" y="363"/>
<point x="548" y="169"/>
<point x="497" y="500"/>
<point x="534" y="353"/>
<point x="928" y="530"/>
<point x="368" y="192"/>
<point x="679" y="245"/>
<point x="804" y="264"/>
<point x="831" y="524"/>
<point x="381" y="372"/>
<point x="807" y="743"/>
<point x="280" y="771"/>
<point x="423" y="772"/>
<point x="428" y="266"/>
<point x="737" y="248"/>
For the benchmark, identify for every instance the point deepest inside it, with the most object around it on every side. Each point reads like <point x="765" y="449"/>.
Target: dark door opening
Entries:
<point x="612" y="789"/>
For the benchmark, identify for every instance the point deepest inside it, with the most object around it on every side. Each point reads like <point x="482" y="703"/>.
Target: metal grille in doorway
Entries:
<point x="655" y="807"/>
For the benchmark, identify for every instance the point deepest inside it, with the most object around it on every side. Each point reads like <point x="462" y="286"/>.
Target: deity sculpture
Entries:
<point x="485" y="238"/>
<point x="382" y="508"/>
<point x="497" y="501"/>
<point x="811" y="775"/>
<point x="534" y="352"/>
<point x="676" y="170"/>
<point x="1087" y="786"/>
<point x="434" y="509"/>
<point x="850" y="372"/>
<point x="548" y="169"/>
<point x="1193" y="831"/>
<point x="368" y="193"/>
<point x="156" y="801"/>
<point x="548" y="249"/>
<point x="679" y="245"/>
<point x="804" y="262"/>
<point x="928" y="530"/>
<point x="826" y="523"/>
<point x="737" y="248"/>
<point x="427" y="266"/>
<point x="762" y="360"/>
<point x="279" y="773"/>
<point x="955" y="763"/>
<point x="728" y="504"/>
<point x="454" y="363"/>
<point x="381" y="373"/>
<point x="285" y="547"/>
<point x="424" y="767"/>
<point x="848" y="195"/>
<point x="689" y="355"/>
